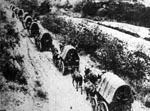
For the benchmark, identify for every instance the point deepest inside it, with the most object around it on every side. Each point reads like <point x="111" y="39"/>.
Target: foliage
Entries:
<point x="44" y="7"/>
<point x="2" y="14"/>
<point x="10" y="64"/>
<point x="136" y="13"/>
<point x="65" y="6"/>
<point x="42" y="94"/>
<point x="132" y="65"/>
<point x="28" y="5"/>
<point x="89" y="8"/>
<point x="52" y="23"/>
<point x="34" y="8"/>
<point x="78" y="6"/>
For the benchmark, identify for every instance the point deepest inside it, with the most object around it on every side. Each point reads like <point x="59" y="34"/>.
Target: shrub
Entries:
<point x="2" y="82"/>
<point x="78" y="6"/>
<point x="2" y="15"/>
<point x="34" y="8"/>
<point x="12" y="73"/>
<point x="9" y="63"/>
<point x="52" y="23"/>
<point x="42" y="94"/>
<point x="89" y="8"/>
<point x="136" y="14"/>
<point x="28" y="5"/>
<point x="44" y="7"/>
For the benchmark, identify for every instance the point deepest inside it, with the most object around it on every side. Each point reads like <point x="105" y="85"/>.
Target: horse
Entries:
<point x="92" y="77"/>
<point x="55" y="56"/>
<point x="89" y="88"/>
<point x="91" y="93"/>
<point x="147" y="100"/>
<point x="77" y="77"/>
<point x="89" y="75"/>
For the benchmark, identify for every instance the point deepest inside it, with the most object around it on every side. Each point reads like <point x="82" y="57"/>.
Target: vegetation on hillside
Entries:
<point x="136" y="13"/>
<point x="112" y="55"/>
<point x="34" y="8"/>
<point x="10" y="63"/>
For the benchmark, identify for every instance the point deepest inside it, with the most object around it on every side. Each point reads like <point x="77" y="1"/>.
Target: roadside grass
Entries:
<point x="10" y="64"/>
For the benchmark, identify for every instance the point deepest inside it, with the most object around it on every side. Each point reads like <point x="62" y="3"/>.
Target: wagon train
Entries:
<point x="43" y="39"/>
<point x="113" y="94"/>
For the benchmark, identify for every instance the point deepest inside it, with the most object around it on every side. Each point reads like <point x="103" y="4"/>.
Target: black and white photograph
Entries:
<point x="74" y="55"/>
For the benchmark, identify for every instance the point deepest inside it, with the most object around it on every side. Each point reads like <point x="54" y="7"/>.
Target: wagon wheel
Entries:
<point x="40" y="47"/>
<point x="93" y="104"/>
<point x="38" y="44"/>
<point x="61" y="67"/>
<point x="24" y="26"/>
<point x="13" y="15"/>
<point x="102" y="107"/>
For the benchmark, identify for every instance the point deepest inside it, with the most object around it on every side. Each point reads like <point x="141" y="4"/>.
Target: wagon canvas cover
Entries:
<point x="65" y="51"/>
<point x="108" y="86"/>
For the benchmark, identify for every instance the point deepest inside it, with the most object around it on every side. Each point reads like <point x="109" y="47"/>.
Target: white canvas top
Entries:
<point x="65" y="51"/>
<point x="108" y="85"/>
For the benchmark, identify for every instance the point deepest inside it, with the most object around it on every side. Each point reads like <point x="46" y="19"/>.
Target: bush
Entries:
<point x="132" y="65"/>
<point x="28" y="5"/>
<point x="52" y="23"/>
<point x="136" y="14"/>
<point x="78" y="6"/>
<point x="2" y="82"/>
<point x="12" y="73"/>
<point x="89" y="8"/>
<point x="34" y="8"/>
<point x="10" y="64"/>
<point x="44" y="7"/>
<point x="2" y="15"/>
<point x="42" y="94"/>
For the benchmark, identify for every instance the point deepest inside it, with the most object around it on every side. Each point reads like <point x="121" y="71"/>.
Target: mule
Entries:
<point x="92" y="77"/>
<point x="78" y="79"/>
<point x="147" y="100"/>
<point x="55" y="56"/>
<point x="89" y="89"/>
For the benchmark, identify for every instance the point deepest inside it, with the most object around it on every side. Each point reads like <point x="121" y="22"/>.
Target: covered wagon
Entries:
<point x="25" y="15"/>
<point x="69" y="59"/>
<point x="28" y="21"/>
<point x="12" y="7"/>
<point x="20" y="14"/>
<point x="16" y="11"/>
<point x="43" y="41"/>
<point x="114" y="94"/>
<point x="34" y="29"/>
